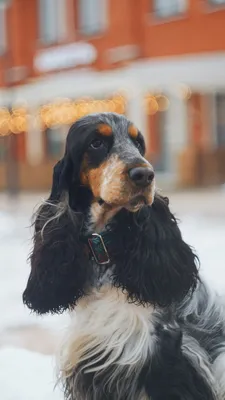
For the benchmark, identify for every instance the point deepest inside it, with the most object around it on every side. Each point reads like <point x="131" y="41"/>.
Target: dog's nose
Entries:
<point x="141" y="176"/>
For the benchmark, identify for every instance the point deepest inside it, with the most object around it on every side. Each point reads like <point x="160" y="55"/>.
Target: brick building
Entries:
<point x="161" y="62"/>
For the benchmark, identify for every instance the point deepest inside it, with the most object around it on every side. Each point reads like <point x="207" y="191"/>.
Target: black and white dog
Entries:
<point x="108" y="248"/>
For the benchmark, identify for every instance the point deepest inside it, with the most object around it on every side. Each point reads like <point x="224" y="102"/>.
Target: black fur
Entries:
<point x="60" y="267"/>
<point x="167" y="375"/>
<point x="171" y="376"/>
<point x="151" y="263"/>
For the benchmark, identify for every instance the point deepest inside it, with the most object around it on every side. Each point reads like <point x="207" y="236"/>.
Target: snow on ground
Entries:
<point x="27" y="376"/>
<point x="28" y="342"/>
<point x="15" y="245"/>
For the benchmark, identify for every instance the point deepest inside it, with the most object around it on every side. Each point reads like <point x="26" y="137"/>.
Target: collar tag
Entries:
<point x="98" y="249"/>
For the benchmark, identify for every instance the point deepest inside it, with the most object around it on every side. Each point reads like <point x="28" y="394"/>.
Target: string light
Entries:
<point x="185" y="91"/>
<point x="163" y="102"/>
<point x="154" y="103"/>
<point x="61" y="112"/>
<point x="4" y="121"/>
<point x="151" y="105"/>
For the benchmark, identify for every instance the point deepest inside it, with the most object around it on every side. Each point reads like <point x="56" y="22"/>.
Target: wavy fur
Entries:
<point x="146" y="327"/>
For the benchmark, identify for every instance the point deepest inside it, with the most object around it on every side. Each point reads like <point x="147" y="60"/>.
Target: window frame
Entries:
<point x="54" y="130"/>
<point x="218" y="95"/>
<point x="3" y="30"/>
<point x="57" y="21"/>
<point x="213" y="3"/>
<point x="175" y="14"/>
<point x="102" y="23"/>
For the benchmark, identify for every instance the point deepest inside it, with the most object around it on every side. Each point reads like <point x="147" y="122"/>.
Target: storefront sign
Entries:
<point x="68" y="56"/>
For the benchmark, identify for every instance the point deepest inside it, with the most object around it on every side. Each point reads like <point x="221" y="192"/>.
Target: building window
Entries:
<point x="217" y="2"/>
<point x="220" y="119"/>
<point x="92" y="16"/>
<point x="169" y="8"/>
<point x="2" y="29"/>
<point x="52" y="21"/>
<point x="55" y="142"/>
<point x="2" y="149"/>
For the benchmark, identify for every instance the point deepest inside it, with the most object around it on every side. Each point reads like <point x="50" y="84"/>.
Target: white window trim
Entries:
<point x="173" y="14"/>
<point x="3" y="33"/>
<point x="103" y="21"/>
<point x="57" y="21"/>
<point x="62" y="20"/>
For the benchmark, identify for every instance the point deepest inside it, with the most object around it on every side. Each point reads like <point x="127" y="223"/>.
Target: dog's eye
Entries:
<point x="96" y="144"/>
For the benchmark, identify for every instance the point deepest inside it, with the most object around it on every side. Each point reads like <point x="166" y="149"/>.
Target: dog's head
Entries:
<point x="107" y="170"/>
<point x="113" y="164"/>
<point x="102" y="174"/>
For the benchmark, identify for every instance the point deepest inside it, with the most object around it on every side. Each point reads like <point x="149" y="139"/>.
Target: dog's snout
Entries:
<point x="141" y="176"/>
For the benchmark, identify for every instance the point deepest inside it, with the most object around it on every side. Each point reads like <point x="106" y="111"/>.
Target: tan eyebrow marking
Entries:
<point x="104" y="129"/>
<point x="133" y="131"/>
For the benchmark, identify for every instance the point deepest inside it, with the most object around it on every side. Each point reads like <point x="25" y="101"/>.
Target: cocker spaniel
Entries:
<point x="108" y="249"/>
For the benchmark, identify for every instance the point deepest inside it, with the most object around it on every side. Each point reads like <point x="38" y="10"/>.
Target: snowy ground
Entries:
<point x="27" y="342"/>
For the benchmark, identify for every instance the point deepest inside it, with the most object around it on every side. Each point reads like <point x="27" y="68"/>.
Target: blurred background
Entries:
<point x="159" y="62"/>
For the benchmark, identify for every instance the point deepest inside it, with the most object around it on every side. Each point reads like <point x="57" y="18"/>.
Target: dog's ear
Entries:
<point x="157" y="266"/>
<point x="59" y="265"/>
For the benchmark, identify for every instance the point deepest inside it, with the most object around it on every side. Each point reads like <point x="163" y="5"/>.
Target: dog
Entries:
<point x="108" y="249"/>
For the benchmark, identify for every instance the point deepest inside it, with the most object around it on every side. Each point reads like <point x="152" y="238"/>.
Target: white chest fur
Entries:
<point x="108" y="331"/>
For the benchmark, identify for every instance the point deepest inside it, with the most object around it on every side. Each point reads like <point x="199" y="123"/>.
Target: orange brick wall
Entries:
<point x="123" y="29"/>
<point x="199" y="30"/>
<point x="21" y="36"/>
<point x="198" y="108"/>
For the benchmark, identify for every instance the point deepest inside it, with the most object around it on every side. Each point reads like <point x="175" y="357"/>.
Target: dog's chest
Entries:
<point x="110" y="340"/>
<point x="102" y="275"/>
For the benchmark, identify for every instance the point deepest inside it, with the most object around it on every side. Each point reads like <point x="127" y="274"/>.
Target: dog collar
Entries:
<point x="98" y="244"/>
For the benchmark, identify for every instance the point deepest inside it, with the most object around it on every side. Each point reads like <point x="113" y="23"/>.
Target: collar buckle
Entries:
<point x="98" y="249"/>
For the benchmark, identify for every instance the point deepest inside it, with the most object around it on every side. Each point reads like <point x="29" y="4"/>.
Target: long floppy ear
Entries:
<point x="59" y="265"/>
<point x="157" y="266"/>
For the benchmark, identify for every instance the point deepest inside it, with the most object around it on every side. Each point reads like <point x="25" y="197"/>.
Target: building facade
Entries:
<point x="160" y="62"/>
